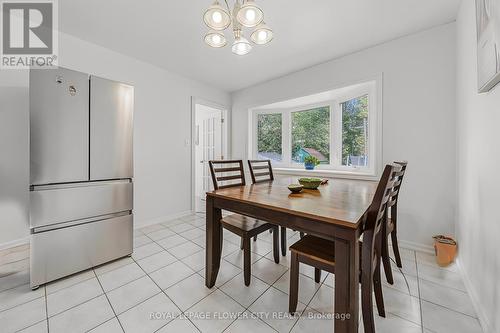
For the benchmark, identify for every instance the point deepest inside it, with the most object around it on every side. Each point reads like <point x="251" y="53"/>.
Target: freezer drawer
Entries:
<point x="69" y="202"/>
<point x="61" y="252"/>
<point x="111" y="117"/>
<point x="59" y="126"/>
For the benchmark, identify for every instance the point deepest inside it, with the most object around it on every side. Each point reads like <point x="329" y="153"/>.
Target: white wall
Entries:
<point x="478" y="158"/>
<point x="418" y="118"/>
<point x="162" y="123"/>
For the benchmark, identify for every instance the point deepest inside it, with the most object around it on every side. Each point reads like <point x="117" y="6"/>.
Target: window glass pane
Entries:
<point x="311" y="134"/>
<point x="355" y="132"/>
<point x="269" y="137"/>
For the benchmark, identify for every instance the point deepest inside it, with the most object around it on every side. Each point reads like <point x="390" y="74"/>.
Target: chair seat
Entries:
<point x="244" y="225"/>
<point x="318" y="249"/>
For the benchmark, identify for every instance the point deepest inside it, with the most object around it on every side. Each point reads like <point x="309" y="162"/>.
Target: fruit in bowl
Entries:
<point x="295" y="188"/>
<point x="310" y="183"/>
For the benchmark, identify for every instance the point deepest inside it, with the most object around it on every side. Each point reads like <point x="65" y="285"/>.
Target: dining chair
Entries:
<point x="390" y="227"/>
<point x="225" y="174"/>
<point x="262" y="171"/>
<point x="320" y="253"/>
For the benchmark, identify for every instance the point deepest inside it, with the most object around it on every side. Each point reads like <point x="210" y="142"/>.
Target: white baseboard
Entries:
<point x="161" y="219"/>
<point x="416" y="246"/>
<point x="481" y="315"/>
<point x="14" y="243"/>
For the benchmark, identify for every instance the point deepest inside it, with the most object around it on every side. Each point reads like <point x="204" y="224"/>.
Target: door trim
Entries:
<point x="225" y="133"/>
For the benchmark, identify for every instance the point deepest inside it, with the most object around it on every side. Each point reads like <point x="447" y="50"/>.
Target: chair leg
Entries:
<point x="221" y="238"/>
<point x="283" y="241"/>
<point x="294" y="283"/>
<point x="367" y="305"/>
<point x="386" y="260"/>
<point x="395" y="248"/>
<point x="276" y="245"/>
<point x="317" y="275"/>
<point x="377" y="287"/>
<point x="246" y="260"/>
<point x="301" y="234"/>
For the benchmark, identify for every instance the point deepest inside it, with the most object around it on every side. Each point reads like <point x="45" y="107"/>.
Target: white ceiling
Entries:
<point x="170" y="33"/>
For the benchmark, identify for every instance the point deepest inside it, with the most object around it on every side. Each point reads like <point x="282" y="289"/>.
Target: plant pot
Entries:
<point x="309" y="166"/>
<point x="446" y="250"/>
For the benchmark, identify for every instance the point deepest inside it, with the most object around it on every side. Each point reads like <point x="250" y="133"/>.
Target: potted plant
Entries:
<point x="310" y="162"/>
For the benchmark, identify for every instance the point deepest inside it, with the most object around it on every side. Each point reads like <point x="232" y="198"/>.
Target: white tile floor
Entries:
<point x="161" y="289"/>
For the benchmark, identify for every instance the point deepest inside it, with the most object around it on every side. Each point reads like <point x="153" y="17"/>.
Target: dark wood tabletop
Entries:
<point x="340" y="201"/>
<point x="335" y="212"/>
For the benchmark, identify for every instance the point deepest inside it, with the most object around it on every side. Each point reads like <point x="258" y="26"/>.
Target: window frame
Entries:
<point x="287" y="165"/>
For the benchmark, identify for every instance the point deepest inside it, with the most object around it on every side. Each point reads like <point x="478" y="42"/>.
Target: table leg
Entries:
<point x="213" y="242"/>
<point x="346" y="285"/>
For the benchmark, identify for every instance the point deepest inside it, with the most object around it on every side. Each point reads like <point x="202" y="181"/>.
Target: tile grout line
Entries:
<point x="109" y="302"/>
<point x="307" y="305"/>
<point x="103" y="323"/>
<point x="22" y="303"/>
<point x="419" y="296"/>
<point x="248" y="307"/>
<point x="46" y="307"/>
<point x="165" y="293"/>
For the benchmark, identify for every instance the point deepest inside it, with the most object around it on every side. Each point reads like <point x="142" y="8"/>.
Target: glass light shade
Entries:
<point x="216" y="17"/>
<point x="215" y="39"/>
<point x="241" y="46"/>
<point x="262" y="34"/>
<point x="250" y="15"/>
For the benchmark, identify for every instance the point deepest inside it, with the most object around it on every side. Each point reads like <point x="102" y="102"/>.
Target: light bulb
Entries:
<point x="215" y="39"/>
<point x="217" y="17"/>
<point x="262" y="35"/>
<point x="241" y="46"/>
<point x="250" y="15"/>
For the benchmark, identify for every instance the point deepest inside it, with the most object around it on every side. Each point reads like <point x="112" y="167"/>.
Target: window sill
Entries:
<point x="326" y="173"/>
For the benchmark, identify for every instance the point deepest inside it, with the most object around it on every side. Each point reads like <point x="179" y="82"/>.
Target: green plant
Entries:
<point x="311" y="160"/>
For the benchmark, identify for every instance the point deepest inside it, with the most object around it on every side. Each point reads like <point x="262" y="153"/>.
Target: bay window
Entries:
<point x="340" y="129"/>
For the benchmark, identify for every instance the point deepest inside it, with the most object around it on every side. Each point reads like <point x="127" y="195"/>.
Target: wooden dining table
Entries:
<point x="335" y="212"/>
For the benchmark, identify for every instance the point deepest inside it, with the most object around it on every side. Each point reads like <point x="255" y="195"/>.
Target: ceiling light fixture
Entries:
<point x="216" y="17"/>
<point x="241" y="45"/>
<point x="262" y="34"/>
<point x="215" y="38"/>
<point x="250" y="15"/>
<point x="245" y="14"/>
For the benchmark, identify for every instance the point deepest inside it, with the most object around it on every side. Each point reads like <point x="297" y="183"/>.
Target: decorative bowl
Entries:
<point x="295" y="188"/>
<point x="310" y="183"/>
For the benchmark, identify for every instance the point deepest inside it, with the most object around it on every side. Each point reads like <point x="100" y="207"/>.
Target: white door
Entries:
<point x="209" y="146"/>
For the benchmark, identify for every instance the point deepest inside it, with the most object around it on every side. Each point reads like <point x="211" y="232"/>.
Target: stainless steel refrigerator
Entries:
<point x="81" y="172"/>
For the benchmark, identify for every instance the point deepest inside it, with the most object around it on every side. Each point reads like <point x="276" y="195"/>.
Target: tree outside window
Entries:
<point x="355" y="132"/>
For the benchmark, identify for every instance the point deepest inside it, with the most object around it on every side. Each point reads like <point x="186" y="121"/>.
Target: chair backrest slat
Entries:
<point x="258" y="177"/>
<point x="221" y="173"/>
<point x="398" y="180"/>
<point x="376" y="215"/>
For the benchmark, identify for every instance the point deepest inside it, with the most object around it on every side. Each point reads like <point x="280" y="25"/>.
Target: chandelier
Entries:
<point x="244" y="15"/>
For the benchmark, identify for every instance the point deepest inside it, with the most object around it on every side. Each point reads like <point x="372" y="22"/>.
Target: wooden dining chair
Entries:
<point x="320" y="253"/>
<point x="390" y="227"/>
<point x="262" y="171"/>
<point x="224" y="175"/>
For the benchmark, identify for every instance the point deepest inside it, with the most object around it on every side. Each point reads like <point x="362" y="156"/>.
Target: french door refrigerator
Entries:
<point x="81" y="172"/>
